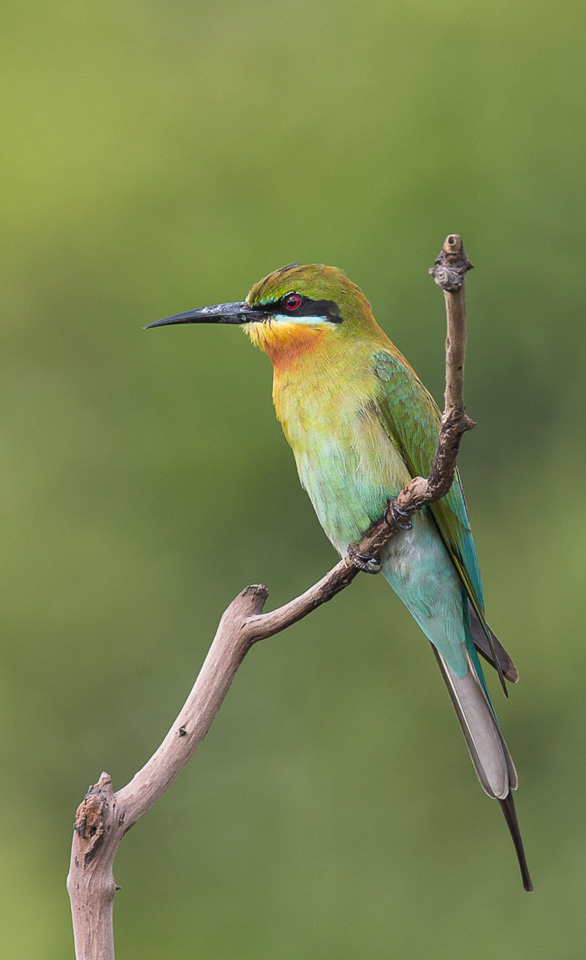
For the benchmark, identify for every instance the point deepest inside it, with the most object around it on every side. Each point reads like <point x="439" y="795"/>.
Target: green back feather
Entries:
<point x="412" y="419"/>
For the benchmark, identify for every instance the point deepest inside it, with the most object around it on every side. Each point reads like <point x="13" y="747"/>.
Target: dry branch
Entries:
<point x="104" y="816"/>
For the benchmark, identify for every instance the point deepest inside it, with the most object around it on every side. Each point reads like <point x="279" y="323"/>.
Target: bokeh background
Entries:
<point x="157" y="157"/>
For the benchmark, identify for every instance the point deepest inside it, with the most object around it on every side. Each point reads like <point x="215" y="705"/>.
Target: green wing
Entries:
<point x="411" y="420"/>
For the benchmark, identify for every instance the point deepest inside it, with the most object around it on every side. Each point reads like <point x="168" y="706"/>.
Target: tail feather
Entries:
<point x="510" y="815"/>
<point x="483" y="646"/>
<point x="490" y="755"/>
<point x="488" y="751"/>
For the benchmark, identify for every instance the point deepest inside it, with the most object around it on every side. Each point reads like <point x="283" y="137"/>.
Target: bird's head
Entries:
<point x="293" y="310"/>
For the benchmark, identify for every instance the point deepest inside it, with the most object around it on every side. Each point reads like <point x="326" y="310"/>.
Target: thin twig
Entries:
<point x="104" y="816"/>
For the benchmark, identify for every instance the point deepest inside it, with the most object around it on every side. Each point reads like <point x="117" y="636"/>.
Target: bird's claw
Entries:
<point x="365" y="563"/>
<point x="395" y="512"/>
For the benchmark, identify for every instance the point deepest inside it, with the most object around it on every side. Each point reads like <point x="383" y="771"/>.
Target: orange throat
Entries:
<point x="285" y="343"/>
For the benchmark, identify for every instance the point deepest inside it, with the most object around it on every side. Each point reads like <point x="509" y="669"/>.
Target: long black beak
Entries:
<point x="220" y="313"/>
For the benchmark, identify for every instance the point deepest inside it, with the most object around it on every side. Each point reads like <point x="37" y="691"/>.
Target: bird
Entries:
<point x="361" y="424"/>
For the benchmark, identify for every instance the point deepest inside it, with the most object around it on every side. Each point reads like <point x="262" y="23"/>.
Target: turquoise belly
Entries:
<point x="350" y="482"/>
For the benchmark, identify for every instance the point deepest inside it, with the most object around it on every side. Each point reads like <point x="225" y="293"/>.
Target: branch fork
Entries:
<point x="104" y="816"/>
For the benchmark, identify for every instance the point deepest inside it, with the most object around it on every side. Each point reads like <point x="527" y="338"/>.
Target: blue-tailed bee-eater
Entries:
<point x="361" y="425"/>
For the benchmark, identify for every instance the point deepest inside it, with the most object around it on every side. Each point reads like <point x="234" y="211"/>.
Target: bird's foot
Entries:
<point x="365" y="563"/>
<point x="396" y="514"/>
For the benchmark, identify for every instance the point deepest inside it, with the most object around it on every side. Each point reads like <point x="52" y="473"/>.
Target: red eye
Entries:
<point x="292" y="302"/>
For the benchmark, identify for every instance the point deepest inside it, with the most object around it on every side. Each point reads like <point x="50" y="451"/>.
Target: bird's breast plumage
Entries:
<point x="350" y="466"/>
<point x="345" y="461"/>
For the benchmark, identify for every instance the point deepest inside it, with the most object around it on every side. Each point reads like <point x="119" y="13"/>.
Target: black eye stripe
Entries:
<point x="328" y="309"/>
<point x="306" y="307"/>
<point x="320" y="308"/>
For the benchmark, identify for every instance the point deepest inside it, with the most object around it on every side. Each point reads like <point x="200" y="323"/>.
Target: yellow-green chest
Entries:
<point x="346" y="462"/>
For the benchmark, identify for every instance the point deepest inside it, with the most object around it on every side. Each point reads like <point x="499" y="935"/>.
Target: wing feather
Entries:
<point x="411" y="420"/>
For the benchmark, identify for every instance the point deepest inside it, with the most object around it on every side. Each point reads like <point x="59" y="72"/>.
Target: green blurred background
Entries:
<point x="157" y="157"/>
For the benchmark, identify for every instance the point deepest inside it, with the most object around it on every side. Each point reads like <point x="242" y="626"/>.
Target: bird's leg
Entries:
<point x="394" y="516"/>
<point x="394" y="512"/>
<point x="364" y="563"/>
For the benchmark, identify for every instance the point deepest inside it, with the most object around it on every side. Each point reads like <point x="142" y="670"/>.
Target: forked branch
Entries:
<point x="105" y="816"/>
